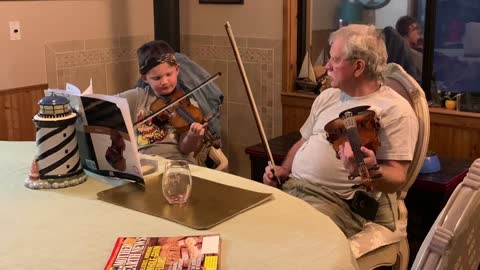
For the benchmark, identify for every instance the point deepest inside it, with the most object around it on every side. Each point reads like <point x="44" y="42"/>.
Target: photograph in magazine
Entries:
<point x="108" y="135"/>
<point x="182" y="253"/>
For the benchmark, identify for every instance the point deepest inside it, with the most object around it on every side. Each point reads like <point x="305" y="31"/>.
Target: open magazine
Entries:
<point x="105" y="135"/>
<point x="180" y="253"/>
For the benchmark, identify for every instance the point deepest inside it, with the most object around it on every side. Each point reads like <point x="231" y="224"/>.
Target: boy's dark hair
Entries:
<point x="404" y="23"/>
<point x="154" y="53"/>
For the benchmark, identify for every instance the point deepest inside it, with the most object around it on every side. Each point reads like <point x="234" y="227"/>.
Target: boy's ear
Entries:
<point x="143" y="78"/>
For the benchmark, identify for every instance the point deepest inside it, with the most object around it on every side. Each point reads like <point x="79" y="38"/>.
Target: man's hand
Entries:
<point x="281" y="173"/>
<point x="346" y="155"/>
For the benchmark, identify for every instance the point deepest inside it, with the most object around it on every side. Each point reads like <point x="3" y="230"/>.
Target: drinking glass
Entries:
<point x="176" y="181"/>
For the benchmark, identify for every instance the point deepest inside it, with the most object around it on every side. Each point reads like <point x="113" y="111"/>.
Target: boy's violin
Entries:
<point x="177" y="109"/>
<point x="181" y="115"/>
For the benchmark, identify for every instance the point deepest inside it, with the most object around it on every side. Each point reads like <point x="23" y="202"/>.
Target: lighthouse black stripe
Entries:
<point x="59" y="163"/>
<point x="49" y="135"/>
<point x="57" y="148"/>
<point x="75" y="167"/>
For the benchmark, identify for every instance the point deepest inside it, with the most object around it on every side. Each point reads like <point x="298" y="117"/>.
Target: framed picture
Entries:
<point x="239" y="2"/>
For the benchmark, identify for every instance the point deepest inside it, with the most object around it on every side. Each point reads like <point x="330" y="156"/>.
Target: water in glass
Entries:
<point x="176" y="181"/>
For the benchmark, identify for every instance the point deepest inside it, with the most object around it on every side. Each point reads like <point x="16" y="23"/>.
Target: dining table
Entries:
<point x="70" y="228"/>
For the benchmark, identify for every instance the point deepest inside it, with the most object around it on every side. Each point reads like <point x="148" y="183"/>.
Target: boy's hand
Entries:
<point x="191" y="140"/>
<point x="197" y="130"/>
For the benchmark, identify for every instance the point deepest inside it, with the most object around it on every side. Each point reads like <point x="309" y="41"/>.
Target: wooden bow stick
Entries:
<point x="253" y="105"/>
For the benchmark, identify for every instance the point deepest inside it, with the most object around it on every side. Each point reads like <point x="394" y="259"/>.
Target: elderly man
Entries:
<point x="312" y="171"/>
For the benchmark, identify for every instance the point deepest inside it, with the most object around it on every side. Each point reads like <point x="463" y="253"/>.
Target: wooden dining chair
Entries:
<point x="376" y="245"/>
<point x="453" y="242"/>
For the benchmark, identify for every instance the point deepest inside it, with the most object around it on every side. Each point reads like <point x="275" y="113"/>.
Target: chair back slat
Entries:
<point x="407" y="87"/>
<point x="454" y="239"/>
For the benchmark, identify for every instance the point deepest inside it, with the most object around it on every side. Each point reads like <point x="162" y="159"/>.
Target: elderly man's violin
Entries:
<point x="366" y="123"/>
<point x="360" y="127"/>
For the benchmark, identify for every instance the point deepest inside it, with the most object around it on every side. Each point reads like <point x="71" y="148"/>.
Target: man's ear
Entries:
<point x="143" y="78"/>
<point x="359" y="67"/>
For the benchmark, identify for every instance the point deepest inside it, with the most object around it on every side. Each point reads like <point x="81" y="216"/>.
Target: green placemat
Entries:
<point x="210" y="203"/>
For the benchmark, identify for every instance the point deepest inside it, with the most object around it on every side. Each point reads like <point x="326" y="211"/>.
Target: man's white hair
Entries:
<point x="364" y="42"/>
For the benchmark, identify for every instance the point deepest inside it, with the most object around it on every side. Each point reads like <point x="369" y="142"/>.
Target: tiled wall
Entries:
<point x="262" y="59"/>
<point x="112" y="65"/>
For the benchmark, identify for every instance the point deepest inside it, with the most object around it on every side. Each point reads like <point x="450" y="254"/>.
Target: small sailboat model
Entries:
<point x="306" y="80"/>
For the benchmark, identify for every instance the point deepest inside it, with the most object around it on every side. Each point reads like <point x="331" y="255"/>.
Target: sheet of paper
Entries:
<point x="89" y="89"/>
<point x="72" y="89"/>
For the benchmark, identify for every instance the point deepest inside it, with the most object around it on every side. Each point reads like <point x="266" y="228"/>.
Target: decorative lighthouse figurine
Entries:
<point x="57" y="162"/>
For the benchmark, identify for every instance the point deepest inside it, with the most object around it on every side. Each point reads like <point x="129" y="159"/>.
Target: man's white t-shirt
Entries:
<point x="316" y="160"/>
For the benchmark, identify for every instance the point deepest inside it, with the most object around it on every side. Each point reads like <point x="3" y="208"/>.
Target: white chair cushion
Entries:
<point x="374" y="236"/>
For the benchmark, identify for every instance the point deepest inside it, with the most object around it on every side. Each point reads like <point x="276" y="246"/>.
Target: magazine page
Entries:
<point x="179" y="253"/>
<point x="105" y="135"/>
<point x="110" y="130"/>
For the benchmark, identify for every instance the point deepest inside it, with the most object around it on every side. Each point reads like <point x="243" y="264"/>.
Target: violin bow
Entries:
<point x="168" y="106"/>
<point x="253" y="105"/>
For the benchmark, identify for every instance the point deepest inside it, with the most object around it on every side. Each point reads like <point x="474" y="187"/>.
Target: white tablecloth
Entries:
<point x="71" y="229"/>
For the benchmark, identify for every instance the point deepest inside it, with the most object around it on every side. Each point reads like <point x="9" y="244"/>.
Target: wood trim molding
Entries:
<point x="290" y="10"/>
<point x="455" y="113"/>
<point x="24" y="88"/>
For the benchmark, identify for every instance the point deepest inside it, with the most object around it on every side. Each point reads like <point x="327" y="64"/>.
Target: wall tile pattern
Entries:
<point x="110" y="62"/>
<point x="262" y="59"/>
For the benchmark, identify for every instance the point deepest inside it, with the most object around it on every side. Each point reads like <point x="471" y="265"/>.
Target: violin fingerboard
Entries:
<point x="354" y="139"/>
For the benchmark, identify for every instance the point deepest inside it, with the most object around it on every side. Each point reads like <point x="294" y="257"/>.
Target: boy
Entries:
<point x="159" y="70"/>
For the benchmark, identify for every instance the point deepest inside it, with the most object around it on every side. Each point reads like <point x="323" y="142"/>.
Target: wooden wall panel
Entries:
<point x="455" y="134"/>
<point x="296" y="108"/>
<point x="17" y="108"/>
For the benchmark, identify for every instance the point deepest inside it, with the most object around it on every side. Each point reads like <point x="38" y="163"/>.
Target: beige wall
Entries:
<point x="255" y="18"/>
<point x="23" y="61"/>
<point x="257" y="26"/>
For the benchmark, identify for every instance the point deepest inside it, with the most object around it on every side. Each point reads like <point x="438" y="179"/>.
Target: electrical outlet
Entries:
<point x="15" y="33"/>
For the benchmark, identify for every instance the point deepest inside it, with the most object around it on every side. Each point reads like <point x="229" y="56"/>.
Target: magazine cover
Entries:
<point x="104" y="134"/>
<point x="175" y="253"/>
